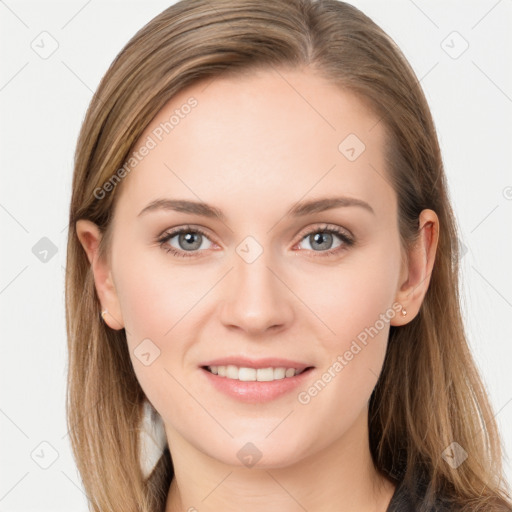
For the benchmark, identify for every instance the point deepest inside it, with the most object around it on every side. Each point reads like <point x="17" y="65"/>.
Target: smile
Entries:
<point x="245" y="374"/>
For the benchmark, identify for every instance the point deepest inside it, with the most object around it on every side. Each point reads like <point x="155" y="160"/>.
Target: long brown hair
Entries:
<point x="429" y="394"/>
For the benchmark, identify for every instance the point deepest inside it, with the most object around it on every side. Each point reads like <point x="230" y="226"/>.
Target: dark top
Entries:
<point x="414" y="498"/>
<point x="406" y="499"/>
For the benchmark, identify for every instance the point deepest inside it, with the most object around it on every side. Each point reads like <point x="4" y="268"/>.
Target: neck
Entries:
<point x="341" y="476"/>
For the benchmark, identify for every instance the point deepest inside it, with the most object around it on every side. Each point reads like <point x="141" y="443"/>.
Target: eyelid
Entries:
<point x="324" y="227"/>
<point x="187" y="227"/>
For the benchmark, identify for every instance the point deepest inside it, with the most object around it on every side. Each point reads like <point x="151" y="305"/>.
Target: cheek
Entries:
<point x="154" y="296"/>
<point x="351" y="296"/>
<point x="354" y="303"/>
<point x="153" y="300"/>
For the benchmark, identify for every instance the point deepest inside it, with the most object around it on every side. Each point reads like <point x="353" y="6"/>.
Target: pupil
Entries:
<point x="323" y="239"/>
<point x="190" y="240"/>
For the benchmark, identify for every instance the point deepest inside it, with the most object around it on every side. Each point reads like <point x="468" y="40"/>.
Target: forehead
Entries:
<point x="266" y="134"/>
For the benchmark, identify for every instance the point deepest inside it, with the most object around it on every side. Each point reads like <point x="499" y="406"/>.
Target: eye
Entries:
<point x="188" y="240"/>
<point x="321" y="240"/>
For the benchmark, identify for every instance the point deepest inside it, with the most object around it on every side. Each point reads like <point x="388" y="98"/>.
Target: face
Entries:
<point x="268" y="282"/>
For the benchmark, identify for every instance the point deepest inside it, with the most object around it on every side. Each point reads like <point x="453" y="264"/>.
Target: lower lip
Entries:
<point x="255" y="391"/>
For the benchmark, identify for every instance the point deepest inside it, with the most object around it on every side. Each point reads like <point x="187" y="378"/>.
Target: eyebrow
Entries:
<point x="298" y="210"/>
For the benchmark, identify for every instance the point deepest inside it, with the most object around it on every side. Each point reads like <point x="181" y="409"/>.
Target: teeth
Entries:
<point x="253" y="374"/>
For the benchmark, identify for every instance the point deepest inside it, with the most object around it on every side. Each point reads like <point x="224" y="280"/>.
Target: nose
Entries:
<point x="256" y="299"/>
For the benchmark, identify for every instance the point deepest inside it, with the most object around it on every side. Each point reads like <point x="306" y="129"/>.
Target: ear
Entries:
<point x="90" y="236"/>
<point x="417" y="268"/>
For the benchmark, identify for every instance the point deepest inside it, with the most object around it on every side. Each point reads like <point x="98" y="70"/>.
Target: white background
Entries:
<point x="43" y="102"/>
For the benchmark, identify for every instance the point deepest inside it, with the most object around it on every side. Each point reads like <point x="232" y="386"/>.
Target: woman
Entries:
<point x="262" y="286"/>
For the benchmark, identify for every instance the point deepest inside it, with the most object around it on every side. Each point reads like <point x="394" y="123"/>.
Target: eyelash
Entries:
<point x="346" y="239"/>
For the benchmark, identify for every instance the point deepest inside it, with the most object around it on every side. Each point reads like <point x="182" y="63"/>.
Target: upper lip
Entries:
<point x="267" y="362"/>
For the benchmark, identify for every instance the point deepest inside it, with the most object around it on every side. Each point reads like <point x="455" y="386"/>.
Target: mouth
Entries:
<point x="250" y="374"/>
<point x="255" y="381"/>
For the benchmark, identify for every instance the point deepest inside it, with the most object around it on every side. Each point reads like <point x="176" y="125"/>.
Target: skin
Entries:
<point x="253" y="147"/>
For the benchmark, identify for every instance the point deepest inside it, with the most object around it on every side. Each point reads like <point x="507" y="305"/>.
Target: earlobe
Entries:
<point x="90" y="237"/>
<point x="419" y="266"/>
